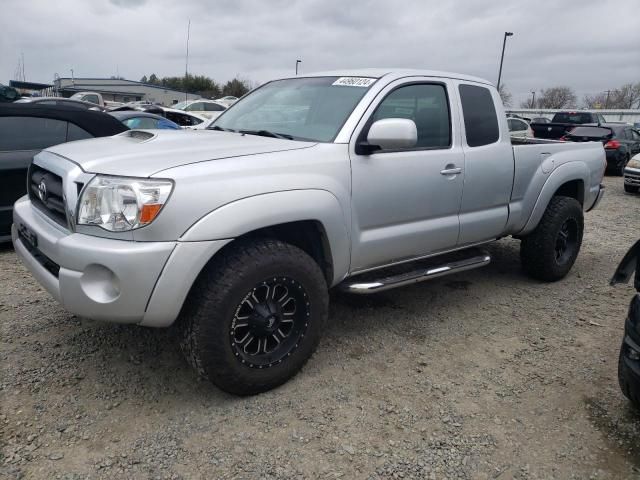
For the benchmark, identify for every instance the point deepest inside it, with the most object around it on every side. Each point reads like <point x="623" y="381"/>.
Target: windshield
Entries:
<point x="180" y="106"/>
<point x="297" y="108"/>
<point x="591" y="132"/>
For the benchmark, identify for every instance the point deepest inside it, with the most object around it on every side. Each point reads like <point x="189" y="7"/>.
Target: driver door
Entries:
<point x="406" y="202"/>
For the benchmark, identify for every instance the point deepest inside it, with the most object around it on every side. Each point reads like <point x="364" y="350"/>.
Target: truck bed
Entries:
<point x="535" y="161"/>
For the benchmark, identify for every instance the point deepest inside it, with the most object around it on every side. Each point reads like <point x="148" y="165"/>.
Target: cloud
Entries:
<point x="552" y="43"/>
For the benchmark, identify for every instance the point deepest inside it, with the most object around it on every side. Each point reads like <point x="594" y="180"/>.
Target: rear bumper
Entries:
<point x="106" y="279"/>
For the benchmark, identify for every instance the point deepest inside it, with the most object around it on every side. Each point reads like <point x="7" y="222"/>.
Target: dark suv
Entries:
<point x="629" y="360"/>
<point x="25" y="129"/>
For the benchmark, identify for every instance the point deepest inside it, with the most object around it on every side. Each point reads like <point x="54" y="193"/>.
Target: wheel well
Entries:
<point x="308" y="235"/>
<point x="573" y="189"/>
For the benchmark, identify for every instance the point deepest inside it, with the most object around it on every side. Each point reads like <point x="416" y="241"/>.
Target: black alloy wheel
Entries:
<point x="269" y="322"/>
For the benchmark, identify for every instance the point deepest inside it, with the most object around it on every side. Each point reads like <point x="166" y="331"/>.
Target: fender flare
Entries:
<point x="566" y="172"/>
<point x="248" y="214"/>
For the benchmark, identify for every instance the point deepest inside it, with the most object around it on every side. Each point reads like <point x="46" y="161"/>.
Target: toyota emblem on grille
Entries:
<point x="42" y="190"/>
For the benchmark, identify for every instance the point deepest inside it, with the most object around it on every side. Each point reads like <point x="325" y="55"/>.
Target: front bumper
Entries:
<point x="106" y="279"/>
<point x="632" y="176"/>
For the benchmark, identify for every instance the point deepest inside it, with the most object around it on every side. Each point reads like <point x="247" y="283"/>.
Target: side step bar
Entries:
<point x="414" y="272"/>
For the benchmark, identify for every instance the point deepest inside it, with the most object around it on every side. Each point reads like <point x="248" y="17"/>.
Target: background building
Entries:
<point x="118" y="90"/>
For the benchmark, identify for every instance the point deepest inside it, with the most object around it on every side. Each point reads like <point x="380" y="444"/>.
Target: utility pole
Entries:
<point x="533" y="100"/>
<point x="186" y="66"/>
<point x="606" y="103"/>
<point x="297" y="62"/>
<point x="504" y="43"/>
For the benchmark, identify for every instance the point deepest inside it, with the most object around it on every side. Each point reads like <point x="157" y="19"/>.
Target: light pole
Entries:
<point x="73" y="81"/>
<point x="504" y="43"/>
<point x="297" y="63"/>
<point x="533" y="100"/>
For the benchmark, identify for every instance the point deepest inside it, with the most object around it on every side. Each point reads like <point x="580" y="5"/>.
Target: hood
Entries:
<point x="142" y="153"/>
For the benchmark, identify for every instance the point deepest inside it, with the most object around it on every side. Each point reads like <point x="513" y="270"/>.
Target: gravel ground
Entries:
<point x="482" y="375"/>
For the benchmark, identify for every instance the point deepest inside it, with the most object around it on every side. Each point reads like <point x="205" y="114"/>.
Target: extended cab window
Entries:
<point x="427" y="106"/>
<point x="480" y="118"/>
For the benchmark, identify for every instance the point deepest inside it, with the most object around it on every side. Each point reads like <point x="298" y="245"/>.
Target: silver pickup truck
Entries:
<point x="361" y="180"/>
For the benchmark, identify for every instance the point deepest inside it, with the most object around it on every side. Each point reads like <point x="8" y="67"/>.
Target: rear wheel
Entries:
<point x="625" y="377"/>
<point x="549" y="252"/>
<point x="254" y="316"/>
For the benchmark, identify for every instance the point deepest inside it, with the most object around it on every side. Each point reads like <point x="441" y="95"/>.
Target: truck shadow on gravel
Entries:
<point x="112" y="361"/>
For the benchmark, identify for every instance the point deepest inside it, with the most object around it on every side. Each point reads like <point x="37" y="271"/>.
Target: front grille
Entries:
<point x="45" y="192"/>
<point x="632" y="179"/>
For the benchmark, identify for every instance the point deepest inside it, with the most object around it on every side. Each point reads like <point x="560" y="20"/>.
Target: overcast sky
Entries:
<point x="590" y="45"/>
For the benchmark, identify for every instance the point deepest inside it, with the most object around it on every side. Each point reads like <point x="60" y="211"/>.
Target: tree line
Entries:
<point x="625" y="97"/>
<point x="201" y="85"/>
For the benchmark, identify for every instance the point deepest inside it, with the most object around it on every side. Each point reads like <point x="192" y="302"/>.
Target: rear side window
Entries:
<point x="31" y="133"/>
<point x="74" y="132"/>
<point x="480" y="118"/>
<point x="213" y="107"/>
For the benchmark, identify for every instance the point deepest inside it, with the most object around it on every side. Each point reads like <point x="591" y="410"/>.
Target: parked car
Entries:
<point x="363" y="180"/>
<point x="632" y="175"/>
<point x="8" y="94"/>
<point x="144" y="120"/>
<point x="27" y="129"/>
<point x="186" y="120"/>
<point x="228" y="100"/>
<point x="620" y="142"/>
<point x="519" y="128"/>
<point x="204" y="108"/>
<point x="562" y="122"/>
<point x="629" y="358"/>
<point x="95" y="98"/>
<point x="540" y="120"/>
<point x="60" y="101"/>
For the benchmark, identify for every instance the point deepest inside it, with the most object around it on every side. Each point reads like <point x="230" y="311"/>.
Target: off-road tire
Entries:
<point x="538" y="249"/>
<point x="623" y="375"/>
<point x="206" y="319"/>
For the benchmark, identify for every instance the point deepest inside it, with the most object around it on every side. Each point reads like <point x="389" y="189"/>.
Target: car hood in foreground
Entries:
<point x="142" y="153"/>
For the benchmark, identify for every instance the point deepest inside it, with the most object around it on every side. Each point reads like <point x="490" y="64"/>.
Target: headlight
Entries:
<point x="120" y="204"/>
<point x="634" y="162"/>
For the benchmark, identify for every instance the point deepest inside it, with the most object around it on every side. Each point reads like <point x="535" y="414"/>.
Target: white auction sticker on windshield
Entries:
<point x="354" y="81"/>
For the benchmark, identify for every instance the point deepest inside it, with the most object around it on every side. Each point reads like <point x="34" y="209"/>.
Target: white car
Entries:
<point x="204" y="108"/>
<point x="188" y="120"/>
<point x="519" y="128"/>
<point x="228" y="100"/>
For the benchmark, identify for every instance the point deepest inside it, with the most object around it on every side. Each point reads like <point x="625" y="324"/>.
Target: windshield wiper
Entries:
<point x="216" y="127"/>
<point x="267" y="133"/>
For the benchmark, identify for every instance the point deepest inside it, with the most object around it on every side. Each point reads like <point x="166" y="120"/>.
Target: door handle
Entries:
<point x="451" y="171"/>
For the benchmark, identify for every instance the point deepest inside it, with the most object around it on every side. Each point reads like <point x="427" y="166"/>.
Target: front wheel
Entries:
<point x="549" y="252"/>
<point x="254" y="316"/>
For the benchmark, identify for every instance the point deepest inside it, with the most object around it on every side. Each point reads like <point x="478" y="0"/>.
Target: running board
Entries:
<point x="417" y="271"/>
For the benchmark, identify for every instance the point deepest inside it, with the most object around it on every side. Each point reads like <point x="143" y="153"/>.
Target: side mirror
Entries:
<point x="389" y="134"/>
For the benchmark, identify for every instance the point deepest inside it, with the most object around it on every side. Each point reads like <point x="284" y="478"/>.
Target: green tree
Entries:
<point x="144" y="79"/>
<point x="236" y="87"/>
<point x="154" y="80"/>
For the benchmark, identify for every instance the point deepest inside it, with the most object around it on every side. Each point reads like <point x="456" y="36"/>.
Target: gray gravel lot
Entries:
<point x="481" y="375"/>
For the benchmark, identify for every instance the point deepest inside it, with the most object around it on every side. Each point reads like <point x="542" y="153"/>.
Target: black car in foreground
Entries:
<point x="25" y="129"/>
<point x="629" y="360"/>
<point x="621" y="142"/>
